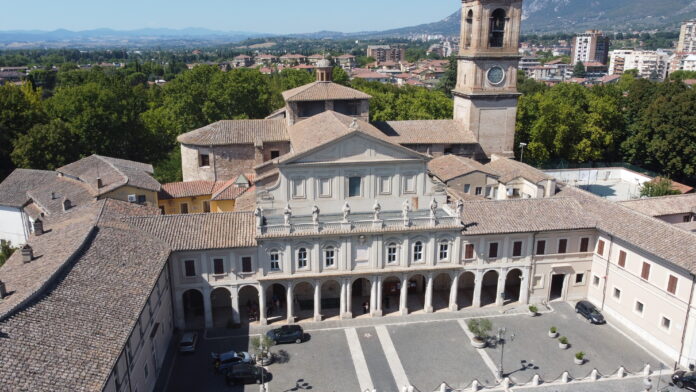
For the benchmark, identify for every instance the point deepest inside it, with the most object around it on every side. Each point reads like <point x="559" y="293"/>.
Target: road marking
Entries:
<point x="484" y="355"/>
<point x="393" y="360"/>
<point x="359" y="362"/>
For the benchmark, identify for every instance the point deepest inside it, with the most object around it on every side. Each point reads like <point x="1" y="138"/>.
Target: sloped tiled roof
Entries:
<point x="49" y="196"/>
<point x="447" y="167"/>
<point x="201" y="231"/>
<point x="13" y="190"/>
<point x="426" y="132"/>
<point x="113" y="172"/>
<point x="174" y="190"/>
<point x="323" y="91"/>
<point x="665" y="205"/>
<point x="509" y="169"/>
<point x="237" y="132"/>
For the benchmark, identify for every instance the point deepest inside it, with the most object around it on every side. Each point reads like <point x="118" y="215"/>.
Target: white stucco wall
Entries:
<point x="12" y="225"/>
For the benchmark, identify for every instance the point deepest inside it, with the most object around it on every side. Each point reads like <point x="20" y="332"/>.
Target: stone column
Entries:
<point x="373" y="294"/>
<point x="342" y="308"/>
<point x="428" y="308"/>
<point x="500" y="289"/>
<point x="207" y="308"/>
<point x="262" y="305"/>
<point x="234" y="296"/>
<point x="378" y="300"/>
<point x="403" y="296"/>
<point x="317" y="301"/>
<point x="453" y="306"/>
<point x="290" y="303"/>
<point x="524" y="286"/>
<point x="349" y="299"/>
<point x="478" y="282"/>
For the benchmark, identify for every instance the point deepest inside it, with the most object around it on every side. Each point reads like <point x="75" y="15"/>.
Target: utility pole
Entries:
<point x="501" y="342"/>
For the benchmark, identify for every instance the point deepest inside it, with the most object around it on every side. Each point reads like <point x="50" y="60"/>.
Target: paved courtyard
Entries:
<point x="424" y="351"/>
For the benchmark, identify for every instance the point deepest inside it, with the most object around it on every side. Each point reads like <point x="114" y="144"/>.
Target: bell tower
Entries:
<point x="485" y="98"/>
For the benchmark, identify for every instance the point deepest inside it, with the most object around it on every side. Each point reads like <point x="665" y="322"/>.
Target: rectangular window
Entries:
<point x="672" y="284"/>
<point x="666" y="323"/>
<point x="330" y="257"/>
<point x="622" y="259"/>
<point x="645" y="272"/>
<point x="595" y="281"/>
<point x="275" y="261"/>
<point x="617" y="293"/>
<point x="302" y="258"/>
<point x="469" y="251"/>
<point x="639" y="307"/>
<point x="579" y="278"/>
<point x="517" y="249"/>
<point x="142" y="199"/>
<point x="562" y="245"/>
<point x="325" y="187"/>
<point x="275" y="154"/>
<point x="246" y="264"/>
<point x="218" y="266"/>
<point x="444" y="251"/>
<point x="385" y="185"/>
<point x="479" y="191"/>
<point x="183" y="207"/>
<point x="204" y="160"/>
<point x="687" y="218"/>
<point x="418" y="251"/>
<point x="391" y="254"/>
<point x="541" y="247"/>
<point x="600" y="247"/>
<point x="467" y="188"/>
<point x="190" y="267"/>
<point x="298" y="188"/>
<point x="206" y="206"/>
<point x="538" y="281"/>
<point x="354" y="185"/>
<point x="492" y="250"/>
<point x="584" y="244"/>
<point x="409" y="184"/>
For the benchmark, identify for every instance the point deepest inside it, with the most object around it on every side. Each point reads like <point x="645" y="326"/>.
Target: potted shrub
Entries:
<point x="579" y="358"/>
<point x="563" y="342"/>
<point x="480" y="329"/>
<point x="533" y="310"/>
<point x="553" y="332"/>
<point x="261" y="347"/>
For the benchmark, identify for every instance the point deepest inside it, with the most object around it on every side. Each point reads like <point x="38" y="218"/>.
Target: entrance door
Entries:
<point x="557" y="283"/>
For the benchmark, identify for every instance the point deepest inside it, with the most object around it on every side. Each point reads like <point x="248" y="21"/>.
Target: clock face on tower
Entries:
<point x="496" y="75"/>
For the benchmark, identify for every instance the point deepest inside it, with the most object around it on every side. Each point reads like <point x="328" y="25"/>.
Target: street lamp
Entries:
<point x="501" y="342"/>
<point x="522" y="146"/>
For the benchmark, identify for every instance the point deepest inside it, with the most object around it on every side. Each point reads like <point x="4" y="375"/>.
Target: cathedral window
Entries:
<point x="302" y="258"/>
<point x="275" y="260"/>
<point x="469" y="27"/>
<point x="418" y="251"/>
<point x="391" y="253"/>
<point x="354" y="184"/>
<point x="497" y="29"/>
<point x="443" y="253"/>
<point x="330" y="256"/>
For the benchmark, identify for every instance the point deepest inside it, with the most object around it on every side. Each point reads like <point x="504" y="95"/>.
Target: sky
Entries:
<point x="265" y="16"/>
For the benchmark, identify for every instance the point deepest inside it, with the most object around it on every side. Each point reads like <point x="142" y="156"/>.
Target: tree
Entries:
<point x="340" y="76"/>
<point x="20" y="109"/>
<point x="449" y="80"/>
<point x="480" y="328"/>
<point x="579" y="70"/>
<point x="6" y="251"/>
<point x="46" y="146"/>
<point x="658" y="187"/>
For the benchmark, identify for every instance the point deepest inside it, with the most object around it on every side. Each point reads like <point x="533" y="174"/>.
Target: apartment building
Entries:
<point x="384" y="53"/>
<point x="591" y="46"/>
<point x="649" y="64"/>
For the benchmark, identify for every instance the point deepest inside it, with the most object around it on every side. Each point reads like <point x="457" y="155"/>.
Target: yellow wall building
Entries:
<point x="195" y="197"/>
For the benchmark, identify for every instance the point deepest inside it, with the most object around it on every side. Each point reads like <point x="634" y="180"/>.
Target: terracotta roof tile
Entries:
<point x="666" y="205"/>
<point x="447" y="167"/>
<point x="509" y="169"/>
<point x="426" y="132"/>
<point x="237" y="132"/>
<point x="174" y="190"/>
<point x="113" y="172"/>
<point x="13" y="190"/>
<point x="322" y="91"/>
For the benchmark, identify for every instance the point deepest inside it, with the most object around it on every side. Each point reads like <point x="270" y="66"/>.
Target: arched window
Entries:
<point x="302" y="258"/>
<point x="275" y="260"/>
<point x="497" y="29"/>
<point x="469" y="28"/>
<point x="443" y="250"/>
<point x="418" y="251"/>
<point x="391" y="253"/>
<point x="330" y="256"/>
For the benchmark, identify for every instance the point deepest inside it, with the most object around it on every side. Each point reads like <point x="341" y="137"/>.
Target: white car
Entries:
<point x="188" y="341"/>
<point x="229" y="359"/>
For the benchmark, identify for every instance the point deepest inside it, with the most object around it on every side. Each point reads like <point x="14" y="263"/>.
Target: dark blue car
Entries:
<point x="589" y="312"/>
<point x="287" y="334"/>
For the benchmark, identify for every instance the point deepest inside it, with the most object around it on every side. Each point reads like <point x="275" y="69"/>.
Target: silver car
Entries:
<point x="188" y="341"/>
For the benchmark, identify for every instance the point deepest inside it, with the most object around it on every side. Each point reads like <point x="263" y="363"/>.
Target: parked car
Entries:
<point x="246" y="373"/>
<point x="590" y="312"/>
<point x="223" y="361"/>
<point x="287" y="334"/>
<point x="685" y="380"/>
<point x="187" y="343"/>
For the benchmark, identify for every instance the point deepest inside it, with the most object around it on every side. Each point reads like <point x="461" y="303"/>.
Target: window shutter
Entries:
<point x="622" y="259"/>
<point x="672" y="285"/>
<point x="645" y="273"/>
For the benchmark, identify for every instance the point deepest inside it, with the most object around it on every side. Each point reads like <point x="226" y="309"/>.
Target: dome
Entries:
<point x="323" y="63"/>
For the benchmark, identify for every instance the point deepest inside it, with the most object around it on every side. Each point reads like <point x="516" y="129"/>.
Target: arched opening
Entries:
<point x="465" y="289"/>
<point x="513" y="286"/>
<point x="489" y="288"/>
<point x="497" y="29"/>
<point x="330" y="299"/>
<point x="416" y="293"/>
<point x="469" y="26"/>
<point x="441" y="292"/>
<point x="303" y="295"/>
<point x="193" y="309"/>
<point x="391" y="294"/>
<point x="276" y="298"/>
<point x="221" y="304"/>
<point x="248" y="304"/>
<point x="360" y="297"/>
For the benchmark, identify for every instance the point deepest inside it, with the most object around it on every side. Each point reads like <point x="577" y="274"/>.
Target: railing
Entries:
<point x="357" y="225"/>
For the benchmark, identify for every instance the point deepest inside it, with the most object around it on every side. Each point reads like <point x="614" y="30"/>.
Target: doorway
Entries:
<point x="557" y="283"/>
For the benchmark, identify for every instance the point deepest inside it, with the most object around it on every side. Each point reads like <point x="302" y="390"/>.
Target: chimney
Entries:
<point x="3" y="290"/>
<point x="66" y="204"/>
<point x="100" y="184"/>
<point x="324" y="71"/>
<point x="53" y="195"/>
<point x="27" y="253"/>
<point x="38" y="227"/>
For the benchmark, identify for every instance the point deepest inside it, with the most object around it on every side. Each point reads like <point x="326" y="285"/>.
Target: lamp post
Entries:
<point x="501" y="342"/>
<point x="522" y="146"/>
